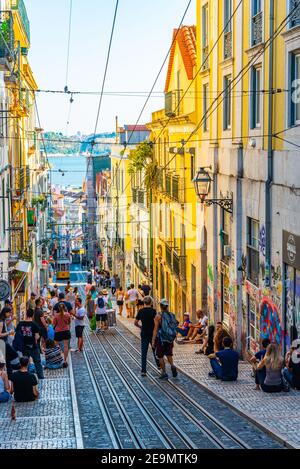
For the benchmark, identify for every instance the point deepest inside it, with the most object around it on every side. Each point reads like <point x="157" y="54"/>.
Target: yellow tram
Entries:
<point x="63" y="269"/>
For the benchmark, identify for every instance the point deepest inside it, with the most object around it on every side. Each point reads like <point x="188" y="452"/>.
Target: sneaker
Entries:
<point x="163" y="376"/>
<point x="174" y="371"/>
<point x="65" y="365"/>
<point x="211" y="374"/>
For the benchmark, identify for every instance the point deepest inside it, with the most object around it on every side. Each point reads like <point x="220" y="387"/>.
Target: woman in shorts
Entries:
<point x="61" y="324"/>
<point x="120" y="299"/>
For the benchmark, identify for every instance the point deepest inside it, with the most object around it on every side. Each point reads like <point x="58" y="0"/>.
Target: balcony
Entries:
<point x="179" y="266"/>
<point x="31" y="137"/>
<point x="19" y="104"/>
<point x="295" y="17"/>
<point x="19" y="7"/>
<point x="169" y="255"/>
<point x="21" y="180"/>
<point x="142" y="263"/>
<point x="31" y="218"/>
<point x="134" y="195"/>
<point x="228" y="45"/>
<point x="6" y="41"/>
<point x="173" y="103"/>
<point x="257" y="27"/>
<point x="136" y="257"/>
<point x="205" y="58"/>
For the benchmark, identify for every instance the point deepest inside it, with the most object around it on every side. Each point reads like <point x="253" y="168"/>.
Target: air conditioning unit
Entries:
<point x="227" y="250"/>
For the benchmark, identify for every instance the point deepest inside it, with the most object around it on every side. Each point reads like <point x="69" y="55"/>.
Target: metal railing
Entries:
<point x="227" y="45"/>
<point x="174" y="188"/>
<point x="295" y="17"/>
<point x="205" y="52"/>
<point x="257" y="29"/>
<point x="169" y="255"/>
<point x="19" y="6"/>
<point x="173" y="103"/>
<point x="7" y="35"/>
<point x="134" y="195"/>
<point x="141" y="197"/>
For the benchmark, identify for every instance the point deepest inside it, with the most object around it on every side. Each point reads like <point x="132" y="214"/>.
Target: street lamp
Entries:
<point x="202" y="182"/>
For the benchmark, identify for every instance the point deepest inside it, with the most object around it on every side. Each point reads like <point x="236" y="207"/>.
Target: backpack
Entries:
<point x="168" y="327"/>
<point x="101" y="303"/>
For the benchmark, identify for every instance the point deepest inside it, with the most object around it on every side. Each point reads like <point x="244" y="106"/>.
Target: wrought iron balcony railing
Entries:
<point x="295" y="17"/>
<point x="134" y="195"/>
<point x="173" y="103"/>
<point x="19" y="6"/>
<point x="169" y="255"/>
<point x="227" y="45"/>
<point x="174" y="188"/>
<point x="257" y="29"/>
<point x="205" y="58"/>
<point x="6" y="40"/>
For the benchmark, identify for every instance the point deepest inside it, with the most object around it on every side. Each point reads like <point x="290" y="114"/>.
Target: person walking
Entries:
<point x="61" y="324"/>
<point x="53" y="300"/>
<point x="120" y="299"/>
<point x="40" y="320"/>
<point x="133" y="296"/>
<point x="30" y="334"/>
<point x="61" y="299"/>
<point x="101" y="314"/>
<point x="163" y="338"/>
<point x="90" y="306"/>
<point x="145" y="321"/>
<point x="80" y="313"/>
<point x="117" y="282"/>
<point x="4" y="383"/>
<point x="30" y="304"/>
<point x="113" y="285"/>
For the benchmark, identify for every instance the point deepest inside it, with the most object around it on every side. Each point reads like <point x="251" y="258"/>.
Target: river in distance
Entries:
<point x="67" y="171"/>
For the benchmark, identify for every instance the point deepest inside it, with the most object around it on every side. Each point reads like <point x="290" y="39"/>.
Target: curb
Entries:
<point x="76" y="418"/>
<point x="287" y="443"/>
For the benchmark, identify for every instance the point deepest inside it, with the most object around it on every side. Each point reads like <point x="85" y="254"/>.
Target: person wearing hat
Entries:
<point x="4" y="383"/>
<point x="292" y="371"/>
<point x="164" y="334"/>
<point x="183" y="330"/>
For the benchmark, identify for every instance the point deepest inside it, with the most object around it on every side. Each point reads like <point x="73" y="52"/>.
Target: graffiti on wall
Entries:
<point x="270" y="324"/>
<point x="210" y="273"/>
<point x="262" y="240"/>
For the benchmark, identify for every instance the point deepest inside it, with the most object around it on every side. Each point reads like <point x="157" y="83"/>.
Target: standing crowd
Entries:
<point x="40" y="340"/>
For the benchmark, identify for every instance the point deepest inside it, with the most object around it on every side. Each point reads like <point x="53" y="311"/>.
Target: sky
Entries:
<point x="143" y="35"/>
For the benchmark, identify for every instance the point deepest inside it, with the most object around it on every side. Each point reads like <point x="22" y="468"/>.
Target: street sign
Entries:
<point x="4" y="290"/>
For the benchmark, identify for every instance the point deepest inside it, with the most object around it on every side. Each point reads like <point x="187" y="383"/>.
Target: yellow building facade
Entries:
<point x="247" y="117"/>
<point x="176" y="245"/>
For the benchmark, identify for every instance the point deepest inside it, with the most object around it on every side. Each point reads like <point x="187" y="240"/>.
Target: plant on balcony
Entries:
<point x="40" y="202"/>
<point x="142" y="159"/>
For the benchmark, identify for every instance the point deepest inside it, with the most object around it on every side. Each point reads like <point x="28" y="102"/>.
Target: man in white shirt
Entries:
<point x="101" y="313"/>
<point x="133" y="296"/>
<point x="199" y="327"/>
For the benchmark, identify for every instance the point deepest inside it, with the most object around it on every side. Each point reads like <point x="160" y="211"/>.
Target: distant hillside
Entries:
<point x="56" y="142"/>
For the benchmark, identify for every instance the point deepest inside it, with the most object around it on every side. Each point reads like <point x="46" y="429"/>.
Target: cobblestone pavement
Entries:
<point x="279" y="414"/>
<point x="44" y="424"/>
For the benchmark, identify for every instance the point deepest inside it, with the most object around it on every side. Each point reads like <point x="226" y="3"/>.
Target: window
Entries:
<point x="256" y="22"/>
<point x="255" y="98"/>
<point x="3" y="208"/>
<point x="205" y="107"/>
<point x="205" y="35"/>
<point x="227" y="103"/>
<point x="192" y="167"/>
<point x="225" y="229"/>
<point x="294" y="5"/>
<point x="227" y="29"/>
<point x="254" y="323"/>
<point x="294" y="111"/>
<point x="253" y="250"/>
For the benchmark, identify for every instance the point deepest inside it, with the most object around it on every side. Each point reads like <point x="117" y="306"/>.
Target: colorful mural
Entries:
<point x="270" y="324"/>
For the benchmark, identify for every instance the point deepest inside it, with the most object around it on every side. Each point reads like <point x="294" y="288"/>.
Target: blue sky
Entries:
<point x="143" y="35"/>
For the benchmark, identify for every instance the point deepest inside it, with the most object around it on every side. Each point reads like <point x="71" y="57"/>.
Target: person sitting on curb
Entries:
<point x="220" y="334"/>
<point x="292" y="370"/>
<point x="24" y="384"/>
<point x="53" y="355"/>
<point x="273" y="362"/>
<point x="225" y="362"/>
<point x="260" y="375"/>
<point x="199" y="327"/>
<point x="185" y="327"/>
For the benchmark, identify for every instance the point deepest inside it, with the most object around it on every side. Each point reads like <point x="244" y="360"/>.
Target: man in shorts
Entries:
<point x="133" y="296"/>
<point x="79" y="323"/>
<point x="163" y="349"/>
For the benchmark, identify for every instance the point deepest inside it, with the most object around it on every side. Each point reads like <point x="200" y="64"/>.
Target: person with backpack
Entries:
<point x="101" y="314"/>
<point x="164" y="334"/>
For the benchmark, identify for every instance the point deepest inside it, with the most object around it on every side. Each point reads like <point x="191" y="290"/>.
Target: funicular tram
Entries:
<point x="76" y="255"/>
<point x="63" y="269"/>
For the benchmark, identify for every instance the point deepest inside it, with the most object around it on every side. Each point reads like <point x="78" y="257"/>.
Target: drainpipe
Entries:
<point x="268" y="201"/>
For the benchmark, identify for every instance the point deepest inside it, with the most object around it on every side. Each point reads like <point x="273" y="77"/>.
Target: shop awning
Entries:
<point x="23" y="266"/>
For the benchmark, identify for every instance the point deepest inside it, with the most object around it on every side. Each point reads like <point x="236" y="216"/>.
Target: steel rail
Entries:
<point x="195" y="404"/>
